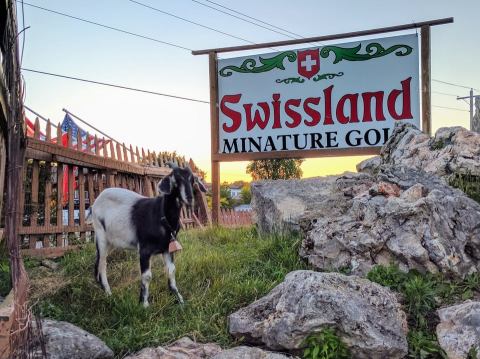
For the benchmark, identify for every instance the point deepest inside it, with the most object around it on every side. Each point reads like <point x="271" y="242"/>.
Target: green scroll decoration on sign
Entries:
<point x="373" y="50"/>
<point x="250" y="65"/>
<point x="320" y="77"/>
<point x="290" y="80"/>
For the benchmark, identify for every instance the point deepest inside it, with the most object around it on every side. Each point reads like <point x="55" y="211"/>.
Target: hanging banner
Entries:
<point x="343" y="96"/>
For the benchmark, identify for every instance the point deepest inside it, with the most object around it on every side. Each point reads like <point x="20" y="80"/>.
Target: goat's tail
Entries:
<point x="89" y="219"/>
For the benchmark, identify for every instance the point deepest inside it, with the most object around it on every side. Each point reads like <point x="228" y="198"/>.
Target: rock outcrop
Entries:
<point x="278" y="205"/>
<point x="184" y="348"/>
<point x="459" y="330"/>
<point x="244" y="352"/>
<point x="366" y="316"/>
<point x="65" y="340"/>
<point x="398" y="215"/>
<point x="453" y="150"/>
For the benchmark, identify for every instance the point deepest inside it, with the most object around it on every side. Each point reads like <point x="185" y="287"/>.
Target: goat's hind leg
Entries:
<point x="170" y="269"/>
<point x="146" y="277"/>
<point x="101" y="262"/>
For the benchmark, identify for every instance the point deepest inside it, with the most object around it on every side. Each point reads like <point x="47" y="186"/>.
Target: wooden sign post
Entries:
<point x="230" y="141"/>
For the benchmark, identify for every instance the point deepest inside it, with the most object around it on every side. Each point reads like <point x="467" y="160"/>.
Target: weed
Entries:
<point x="423" y="345"/>
<point x="473" y="353"/>
<point x="467" y="183"/>
<point x="325" y="345"/>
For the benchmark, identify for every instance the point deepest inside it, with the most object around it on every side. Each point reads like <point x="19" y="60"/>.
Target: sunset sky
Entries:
<point x="65" y="46"/>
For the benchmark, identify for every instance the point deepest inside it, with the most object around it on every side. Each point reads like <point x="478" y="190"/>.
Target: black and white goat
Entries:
<point x="125" y="219"/>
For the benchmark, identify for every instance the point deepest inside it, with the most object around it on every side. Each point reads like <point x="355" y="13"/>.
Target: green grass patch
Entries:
<point x="422" y="295"/>
<point x="467" y="183"/>
<point x="218" y="272"/>
<point x="325" y="345"/>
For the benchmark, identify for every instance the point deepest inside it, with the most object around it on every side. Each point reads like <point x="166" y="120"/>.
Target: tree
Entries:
<point x="245" y="194"/>
<point x="275" y="169"/>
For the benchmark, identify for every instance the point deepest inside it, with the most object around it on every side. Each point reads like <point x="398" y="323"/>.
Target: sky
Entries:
<point x="65" y="46"/>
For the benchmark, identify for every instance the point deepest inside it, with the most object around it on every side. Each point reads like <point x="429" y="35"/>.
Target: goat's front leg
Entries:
<point x="170" y="269"/>
<point x="146" y="277"/>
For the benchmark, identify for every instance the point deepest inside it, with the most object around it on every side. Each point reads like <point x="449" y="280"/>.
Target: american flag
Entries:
<point x="68" y="123"/>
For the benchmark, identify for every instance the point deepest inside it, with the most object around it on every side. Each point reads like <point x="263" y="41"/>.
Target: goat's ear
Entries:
<point x="200" y="184"/>
<point x="166" y="184"/>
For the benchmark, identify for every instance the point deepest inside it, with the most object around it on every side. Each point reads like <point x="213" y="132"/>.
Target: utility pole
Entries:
<point x="471" y="98"/>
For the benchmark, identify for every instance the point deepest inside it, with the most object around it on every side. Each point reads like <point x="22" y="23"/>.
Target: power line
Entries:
<point x="117" y="86"/>
<point x="443" y="93"/>
<point x="108" y="27"/>
<point x="450" y="108"/>
<point x="190" y="21"/>
<point x="453" y="84"/>
<point x="253" y="18"/>
<point x="240" y="18"/>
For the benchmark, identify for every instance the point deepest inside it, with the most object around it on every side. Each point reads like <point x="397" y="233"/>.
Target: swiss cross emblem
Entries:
<point x="308" y="63"/>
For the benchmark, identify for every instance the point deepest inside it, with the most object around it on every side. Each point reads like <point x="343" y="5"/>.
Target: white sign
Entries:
<point x="337" y="96"/>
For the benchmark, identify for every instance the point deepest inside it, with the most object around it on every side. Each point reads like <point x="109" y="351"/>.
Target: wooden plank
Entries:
<point x="81" y="206"/>
<point x="54" y="229"/>
<point x="132" y="155"/>
<point x="48" y="196"/>
<point x="101" y="186"/>
<point x="230" y="157"/>
<point x="81" y="194"/>
<point x="59" y="135"/>
<point x="69" y="138"/>
<point x="426" y="80"/>
<point x="59" y="202"/>
<point x="125" y="156"/>
<point x="119" y="152"/>
<point x="91" y="190"/>
<point x="96" y="145"/>
<point x="54" y="252"/>
<point x="112" y="150"/>
<point x="80" y="142"/>
<point x="48" y="132"/>
<point x="344" y="35"/>
<point x="71" y="199"/>
<point x="104" y="145"/>
<point x="214" y="136"/>
<point x="34" y="194"/>
<point x="137" y="152"/>
<point x="36" y="129"/>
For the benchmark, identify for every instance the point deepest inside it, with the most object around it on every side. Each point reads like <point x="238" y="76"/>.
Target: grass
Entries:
<point x="467" y="183"/>
<point x="5" y="282"/>
<point x="218" y="272"/>
<point x="422" y="295"/>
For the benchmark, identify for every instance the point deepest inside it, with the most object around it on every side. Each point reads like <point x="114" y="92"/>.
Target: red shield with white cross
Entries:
<point x="308" y="62"/>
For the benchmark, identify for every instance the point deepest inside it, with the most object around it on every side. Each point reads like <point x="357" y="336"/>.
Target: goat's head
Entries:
<point x="184" y="181"/>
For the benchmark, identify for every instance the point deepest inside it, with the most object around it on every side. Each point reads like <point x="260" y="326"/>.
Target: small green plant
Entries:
<point x="473" y="353"/>
<point x="467" y="183"/>
<point x="388" y="276"/>
<point x="325" y="345"/>
<point x="420" y="299"/>
<point x="423" y="345"/>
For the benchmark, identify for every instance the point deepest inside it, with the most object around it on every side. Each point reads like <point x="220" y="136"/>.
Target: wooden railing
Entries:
<point x="231" y="218"/>
<point x="63" y="176"/>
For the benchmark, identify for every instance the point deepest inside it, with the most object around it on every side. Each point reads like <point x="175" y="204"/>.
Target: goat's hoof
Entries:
<point x="108" y="292"/>
<point x="145" y="304"/>
<point x="180" y="300"/>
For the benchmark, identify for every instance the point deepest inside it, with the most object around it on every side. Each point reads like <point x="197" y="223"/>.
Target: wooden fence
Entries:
<point x="63" y="175"/>
<point x="231" y="218"/>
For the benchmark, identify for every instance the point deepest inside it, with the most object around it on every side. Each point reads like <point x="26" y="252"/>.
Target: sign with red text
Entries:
<point x="340" y="96"/>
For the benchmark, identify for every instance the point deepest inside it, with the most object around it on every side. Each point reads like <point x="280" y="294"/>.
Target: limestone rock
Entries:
<point x="459" y="329"/>
<point x="64" y="340"/>
<point x="366" y="316"/>
<point x="452" y="150"/>
<point x="278" y="205"/>
<point x="244" y="352"/>
<point x="184" y="348"/>
<point x="406" y="216"/>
